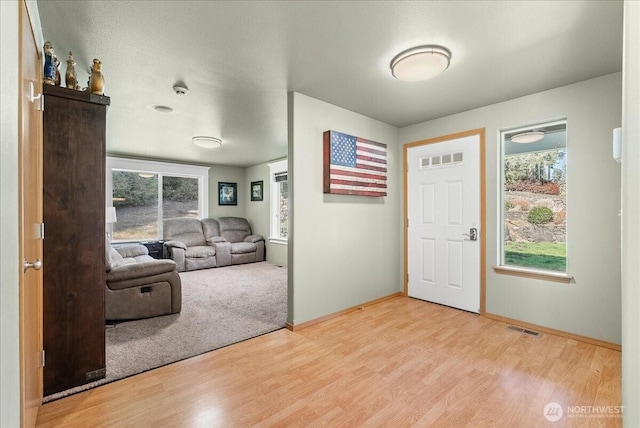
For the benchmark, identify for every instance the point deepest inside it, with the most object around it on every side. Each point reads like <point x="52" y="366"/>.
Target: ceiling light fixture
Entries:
<point x="146" y="174"/>
<point x="207" y="142"/>
<point x="420" y="63"/>
<point x="528" y="137"/>
<point x="163" y="109"/>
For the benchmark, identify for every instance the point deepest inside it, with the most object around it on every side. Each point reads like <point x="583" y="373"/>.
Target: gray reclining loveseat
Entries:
<point x="211" y="242"/>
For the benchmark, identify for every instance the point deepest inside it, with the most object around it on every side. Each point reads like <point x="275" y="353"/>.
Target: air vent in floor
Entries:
<point x="524" y="330"/>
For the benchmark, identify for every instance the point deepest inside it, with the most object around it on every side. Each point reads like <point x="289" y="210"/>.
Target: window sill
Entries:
<point x="535" y="274"/>
<point x="279" y="241"/>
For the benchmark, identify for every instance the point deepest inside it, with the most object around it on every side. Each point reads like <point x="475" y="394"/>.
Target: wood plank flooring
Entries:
<point x="402" y="362"/>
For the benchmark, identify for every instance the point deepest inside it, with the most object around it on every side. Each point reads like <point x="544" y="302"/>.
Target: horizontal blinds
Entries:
<point x="281" y="176"/>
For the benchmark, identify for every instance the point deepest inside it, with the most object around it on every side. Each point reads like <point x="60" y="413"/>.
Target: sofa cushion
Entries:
<point x="210" y="227"/>
<point x="132" y="250"/>
<point x="138" y="259"/>
<point x="200" y="252"/>
<point x="234" y="229"/>
<point x="187" y="230"/>
<point x="243" y="247"/>
<point x="139" y="270"/>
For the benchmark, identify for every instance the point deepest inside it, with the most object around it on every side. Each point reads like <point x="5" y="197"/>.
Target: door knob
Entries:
<point x="37" y="265"/>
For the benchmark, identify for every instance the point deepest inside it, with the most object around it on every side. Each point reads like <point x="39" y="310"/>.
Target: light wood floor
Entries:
<point x="402" y="362"/>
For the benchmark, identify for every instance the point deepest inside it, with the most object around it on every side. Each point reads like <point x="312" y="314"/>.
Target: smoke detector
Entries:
<point x="180" y="89"/>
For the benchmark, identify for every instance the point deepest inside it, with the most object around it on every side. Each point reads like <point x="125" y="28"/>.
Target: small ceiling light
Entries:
<point x="163" y="109"/>
<point x="146" y="174"/>
<point x="207" y="142"/>
<point x="528" y="137"/>
<point x="420" y="63"/>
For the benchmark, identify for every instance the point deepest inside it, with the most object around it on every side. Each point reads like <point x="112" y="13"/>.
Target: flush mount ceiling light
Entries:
<point x="420" y="63"/>
<point x="163" y="109"/>
<point x="528" y="137"/>
<point x="207" y="142"/>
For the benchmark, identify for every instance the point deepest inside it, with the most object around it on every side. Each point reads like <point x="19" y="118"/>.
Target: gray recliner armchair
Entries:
<point x="139" y="286"/>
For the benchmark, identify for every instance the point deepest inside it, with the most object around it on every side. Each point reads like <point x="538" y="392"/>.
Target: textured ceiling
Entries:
<point x="239" y="60"/>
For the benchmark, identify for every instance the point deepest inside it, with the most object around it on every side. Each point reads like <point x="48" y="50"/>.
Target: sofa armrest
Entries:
<point x="176" y="244"/>
<point x="254" y="238"/>
<point x="139" y="270"/>
<point x="177" y="254"/>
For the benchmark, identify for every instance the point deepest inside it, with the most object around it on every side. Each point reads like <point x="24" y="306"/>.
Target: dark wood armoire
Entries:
<point x="74" y="244"/>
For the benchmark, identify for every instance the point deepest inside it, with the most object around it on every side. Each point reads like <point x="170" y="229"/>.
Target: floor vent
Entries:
<point x="524" y="330"/>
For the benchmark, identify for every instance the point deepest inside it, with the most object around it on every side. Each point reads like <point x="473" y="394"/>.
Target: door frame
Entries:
<point x="480" y="132"/>
<point x="30" y="146"/>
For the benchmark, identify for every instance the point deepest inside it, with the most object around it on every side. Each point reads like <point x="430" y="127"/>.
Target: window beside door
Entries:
<point x="534" y="198"/>
<point x="279" y="207"/>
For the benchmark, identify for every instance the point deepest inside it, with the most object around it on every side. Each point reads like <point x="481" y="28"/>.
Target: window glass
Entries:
<point x="279" y="205"/>
<point x="534" y="197"/>
<point x="146" y="192"/>
<point x="179" y="197"/>
<point x="283" y="208"/>
<point x="135" y="196"/>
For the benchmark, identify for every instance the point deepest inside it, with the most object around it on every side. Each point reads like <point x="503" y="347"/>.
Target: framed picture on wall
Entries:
<point x="227" y="193"/>
<point x="256" y="190"/>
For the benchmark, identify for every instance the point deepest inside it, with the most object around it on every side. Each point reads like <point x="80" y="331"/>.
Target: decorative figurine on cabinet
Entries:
<point x="50" y="67"/>
<point x="96" y="80"/>
<point x="70" y="79"/>
<point x="56" y="61"/>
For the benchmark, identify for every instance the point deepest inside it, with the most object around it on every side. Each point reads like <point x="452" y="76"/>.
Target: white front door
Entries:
<point x="444" y="219"/>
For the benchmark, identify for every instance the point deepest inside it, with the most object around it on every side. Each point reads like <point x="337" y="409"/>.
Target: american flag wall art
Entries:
<point x="354" y="166"/>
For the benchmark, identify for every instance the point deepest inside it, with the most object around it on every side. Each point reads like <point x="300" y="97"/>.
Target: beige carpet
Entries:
<point x="220" y="306"/>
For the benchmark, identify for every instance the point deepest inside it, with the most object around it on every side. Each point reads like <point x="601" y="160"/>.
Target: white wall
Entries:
<point x="9" y="303"/>
<point x="590" y="306"/>
<point x="631" y="214"/>
<point x="345" y="250"/>
<point x="257" y="212"/>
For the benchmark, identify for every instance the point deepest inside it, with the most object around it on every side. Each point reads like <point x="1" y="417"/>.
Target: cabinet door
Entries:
<point x="74" y="247"/>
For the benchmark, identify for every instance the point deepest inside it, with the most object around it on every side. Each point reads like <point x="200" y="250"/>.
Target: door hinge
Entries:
<point x="42" y="359"/>
<point x="407" y="278"/>
<point x="41" y="232"/>
<point x="407" y="222"/>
